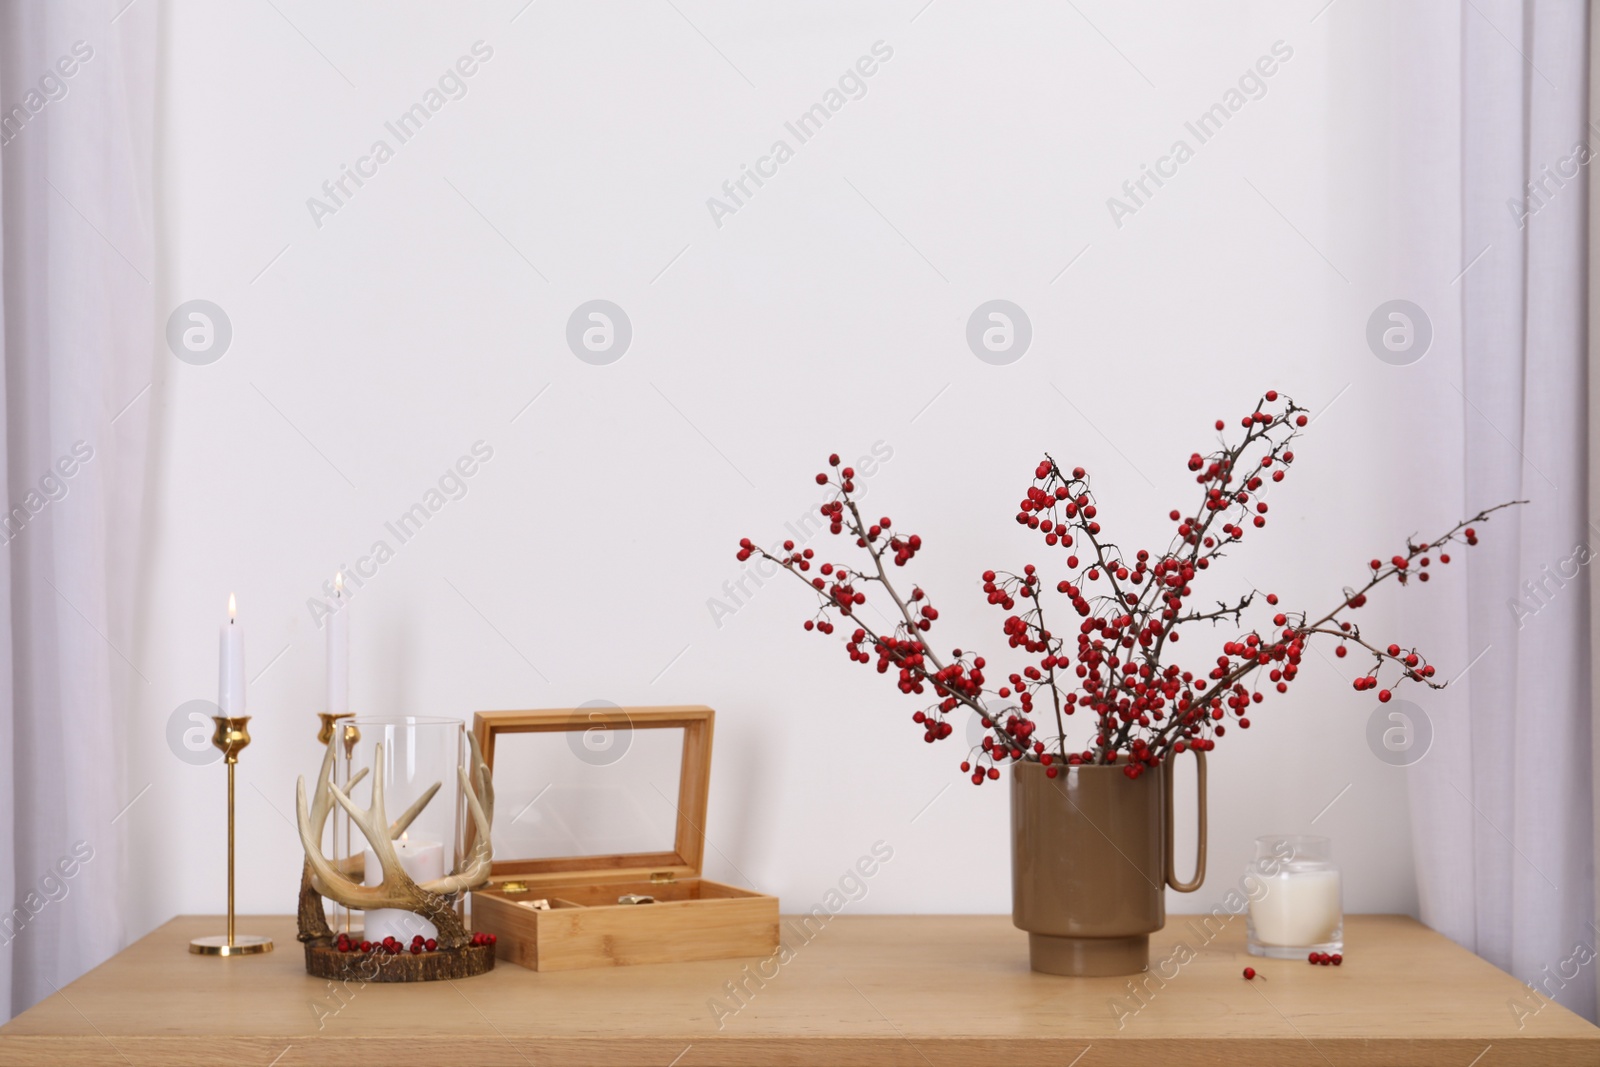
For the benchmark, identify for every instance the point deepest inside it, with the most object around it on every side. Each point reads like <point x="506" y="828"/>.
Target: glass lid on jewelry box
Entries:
<point x="598" y="791"/>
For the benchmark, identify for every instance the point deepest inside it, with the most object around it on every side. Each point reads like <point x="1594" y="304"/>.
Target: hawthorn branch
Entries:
<point x="1139" y="707"/>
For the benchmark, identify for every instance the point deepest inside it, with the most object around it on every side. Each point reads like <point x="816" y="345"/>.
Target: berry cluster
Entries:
<point x="393" y="946"/>
<point x="1110" y="662"/>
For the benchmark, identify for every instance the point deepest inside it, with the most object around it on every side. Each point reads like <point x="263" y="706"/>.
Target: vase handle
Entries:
<point x="1200" y="858"/>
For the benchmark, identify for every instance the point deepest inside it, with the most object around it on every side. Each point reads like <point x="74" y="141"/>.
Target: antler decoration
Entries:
<point x="313" y="920"/>
<point x="433" y="900"/>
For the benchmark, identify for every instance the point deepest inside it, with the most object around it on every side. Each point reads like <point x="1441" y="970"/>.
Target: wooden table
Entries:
<point x="919" y="991"/>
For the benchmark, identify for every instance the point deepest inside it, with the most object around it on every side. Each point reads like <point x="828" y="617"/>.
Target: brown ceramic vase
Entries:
<point x="1091" y="856"/>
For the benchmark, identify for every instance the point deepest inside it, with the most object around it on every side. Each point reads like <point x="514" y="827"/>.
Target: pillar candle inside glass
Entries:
<point x="1296" y="897"/>
<point x="424" y="862"/>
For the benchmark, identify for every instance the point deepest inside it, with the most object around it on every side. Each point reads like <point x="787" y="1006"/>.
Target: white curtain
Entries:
<point x="1593" y="187"/>
<point x="77" y="87"/>
<point x="1503" y="807"/>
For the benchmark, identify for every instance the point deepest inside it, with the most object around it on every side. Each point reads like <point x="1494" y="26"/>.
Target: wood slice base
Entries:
<point x="325" y="961"/>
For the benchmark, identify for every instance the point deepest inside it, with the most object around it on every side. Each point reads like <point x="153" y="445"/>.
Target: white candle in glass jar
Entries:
<point x="1298" y="909"/>
<point x="424" y="862"/>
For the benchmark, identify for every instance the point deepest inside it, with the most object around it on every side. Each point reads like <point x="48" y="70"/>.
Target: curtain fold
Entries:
<point x="1593" y="303"/>
<point x="77" y="97"/>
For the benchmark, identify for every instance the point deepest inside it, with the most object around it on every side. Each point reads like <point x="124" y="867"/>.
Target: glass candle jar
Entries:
<point x="1296" y="897"/>
<point x="418" y="754"/>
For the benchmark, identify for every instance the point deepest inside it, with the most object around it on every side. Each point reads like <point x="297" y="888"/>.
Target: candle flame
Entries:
<point x="233" y="608"/>
<point x="404" y="834"/>
<point x="338" y="583"/>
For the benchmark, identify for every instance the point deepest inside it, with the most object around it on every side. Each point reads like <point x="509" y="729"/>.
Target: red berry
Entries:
<point x="1272" y="394"/>
<point x="1249" y="972"/>
<point x="431" y="945"/>
<point x="822" y="479"/>
<point x="1311" y="958"/>
<point x="1337" y="959"/>
<point x="1384" y="696"/>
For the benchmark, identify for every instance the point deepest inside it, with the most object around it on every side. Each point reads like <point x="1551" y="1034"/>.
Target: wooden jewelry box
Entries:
<point x="581" y="921"/>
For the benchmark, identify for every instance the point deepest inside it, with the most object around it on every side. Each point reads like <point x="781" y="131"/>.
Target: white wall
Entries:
<point x="371" y="351"/>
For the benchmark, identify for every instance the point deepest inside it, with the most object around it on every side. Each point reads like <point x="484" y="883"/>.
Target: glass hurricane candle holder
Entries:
<point x="1296" y="897"/>
<point x="418" y="752"/>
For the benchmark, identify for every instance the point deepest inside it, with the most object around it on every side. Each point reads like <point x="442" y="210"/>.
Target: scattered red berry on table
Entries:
<point x="1249" y="972"/>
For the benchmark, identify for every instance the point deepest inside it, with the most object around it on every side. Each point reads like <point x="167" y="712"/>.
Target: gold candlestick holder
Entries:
<point x="325" y="733"/>
<point x="230" y="736"/>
